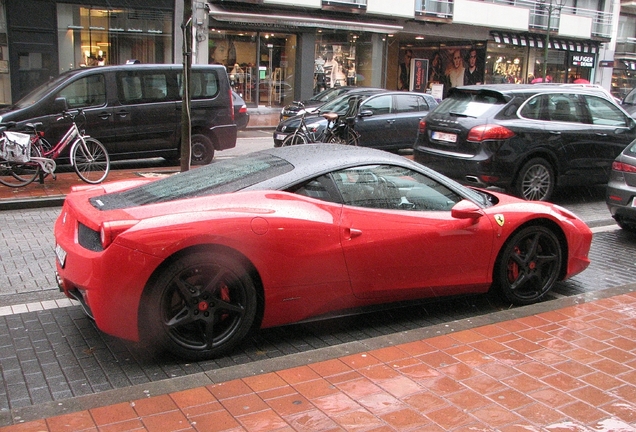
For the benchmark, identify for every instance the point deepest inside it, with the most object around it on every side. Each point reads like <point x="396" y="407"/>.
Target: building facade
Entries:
<point x="277" y="51"/>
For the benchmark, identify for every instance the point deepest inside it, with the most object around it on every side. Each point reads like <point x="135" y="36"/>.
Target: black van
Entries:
<point x="135" y="110"/>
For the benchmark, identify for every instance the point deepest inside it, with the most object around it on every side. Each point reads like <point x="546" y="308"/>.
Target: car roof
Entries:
<point x="537" y="88"/>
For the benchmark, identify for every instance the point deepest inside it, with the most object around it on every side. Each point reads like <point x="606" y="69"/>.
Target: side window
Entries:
<point x="85" y="92"/>
<point x="316" y="188"/>
<point x="536" y="108"/>
<point x="393" y="188"/>
<point x="138" y="87"/>
<point x="410" y="103"/>
<point x="604" y="113"/>
<point x="565" y="108"/>
<point x="378" y="105"/>
<point x="203" y="85"/>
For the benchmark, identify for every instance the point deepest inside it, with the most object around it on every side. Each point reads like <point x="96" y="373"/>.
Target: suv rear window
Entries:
<point x="470" y="103"/>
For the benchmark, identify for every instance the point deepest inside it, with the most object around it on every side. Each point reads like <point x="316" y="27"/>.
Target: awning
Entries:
<point x="279" y="20"/>
<point x="538" y="41"/>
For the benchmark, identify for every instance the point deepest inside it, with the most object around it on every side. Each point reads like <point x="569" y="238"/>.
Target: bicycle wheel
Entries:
<point x="14" y="174"/>
<point x="91" y="162"/>
<point x="294" y="139"/>
<point x="351" y="138"/>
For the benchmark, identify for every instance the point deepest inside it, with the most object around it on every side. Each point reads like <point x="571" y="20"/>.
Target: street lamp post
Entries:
<point x="553" y="6"/>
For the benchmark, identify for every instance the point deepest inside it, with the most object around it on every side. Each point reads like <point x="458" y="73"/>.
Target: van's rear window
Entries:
<point x="225" y="176"/>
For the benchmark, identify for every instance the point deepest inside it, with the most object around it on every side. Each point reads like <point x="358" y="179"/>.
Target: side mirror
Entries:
<point x="60" y="105"/>
<point x="466" y="210"/>
<point x="365" y="113"/>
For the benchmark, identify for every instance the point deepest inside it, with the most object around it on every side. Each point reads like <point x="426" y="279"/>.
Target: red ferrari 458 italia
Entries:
<point x="190" y="263"/>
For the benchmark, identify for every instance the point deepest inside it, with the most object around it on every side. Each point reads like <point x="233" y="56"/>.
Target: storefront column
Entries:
<point x="304" y="78"/>
<point x="377" y="62"/>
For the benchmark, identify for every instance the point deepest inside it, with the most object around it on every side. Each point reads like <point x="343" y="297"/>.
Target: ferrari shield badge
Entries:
<point x="499" y="218"/>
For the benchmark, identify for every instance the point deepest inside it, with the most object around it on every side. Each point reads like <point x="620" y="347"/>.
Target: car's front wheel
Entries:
<point x="529" y="265"/>
<point x="201" y="306"/>
<point x="202" y="150"/>
<point x="536" y="180"/>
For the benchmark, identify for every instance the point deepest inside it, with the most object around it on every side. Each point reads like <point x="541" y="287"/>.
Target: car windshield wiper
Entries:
<point x="456" y="114"/>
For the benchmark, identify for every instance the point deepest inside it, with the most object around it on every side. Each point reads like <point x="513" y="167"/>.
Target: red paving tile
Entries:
<point x="568" y="370"/>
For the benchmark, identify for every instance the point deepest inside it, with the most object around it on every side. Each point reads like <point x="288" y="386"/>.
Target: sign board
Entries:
<point x="419" y="75"/>
<point x="582" y="60"/>
<point x="437" y="91"/>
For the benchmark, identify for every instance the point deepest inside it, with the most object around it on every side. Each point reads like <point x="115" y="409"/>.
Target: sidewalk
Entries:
<point x="569" y="368"/>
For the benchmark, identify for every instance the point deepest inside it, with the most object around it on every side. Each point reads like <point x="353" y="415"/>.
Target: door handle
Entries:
<point x="123" y="113"/>
<point x="390" y="121"/>
<point x="555" y="132"/>
<point x="351" y="233"/>
<point x="104" y="115"/>
<point x="601" y="134"/>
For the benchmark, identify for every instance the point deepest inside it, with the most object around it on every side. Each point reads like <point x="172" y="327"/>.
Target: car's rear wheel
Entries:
<point x="529" y="265"/>
<point x="201" y="306"/>
<point x="536" y="180"/>
<point x="202" y="150"/>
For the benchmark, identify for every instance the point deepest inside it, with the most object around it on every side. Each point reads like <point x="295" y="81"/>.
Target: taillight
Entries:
<point x="422" y="126"/>
<point x="243" y="110"/>
<point x="110" y="230"/>
<point x="231" y="106"/>
<point x="489" y="132"/>
<point x="623" y="167"/>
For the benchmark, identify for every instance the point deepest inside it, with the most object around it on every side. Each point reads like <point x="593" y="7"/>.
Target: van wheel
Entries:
<point x="202" y="150"/>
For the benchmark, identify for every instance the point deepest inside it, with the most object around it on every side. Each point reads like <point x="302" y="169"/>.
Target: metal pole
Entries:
<point x="547" y="43"/>
<point x="186" y="134"/>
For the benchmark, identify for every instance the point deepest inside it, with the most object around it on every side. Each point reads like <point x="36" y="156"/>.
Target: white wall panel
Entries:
<point x="491" y="15"/>
<point x="396" y="8"/>
<point x="315" y="4"/>
<point x="575" y="26"/>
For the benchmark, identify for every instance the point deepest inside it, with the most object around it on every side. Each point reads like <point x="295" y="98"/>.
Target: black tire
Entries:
<point x="18" y="174"/>
<point x="627" y="226"/>
<point x="528" y="265"/>
<point x="202" y="150"/>
<point x="295" y="139"/>
<point x="535" y="181"/>
<point x="201" y="306"/>
<point x="92" y="167"/>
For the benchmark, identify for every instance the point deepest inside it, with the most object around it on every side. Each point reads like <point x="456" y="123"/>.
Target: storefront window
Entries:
<point x="260" y="65"/>
<point x="506" y="64"/>
<point x="342" y="58"/>
<point x="99" y="36"/>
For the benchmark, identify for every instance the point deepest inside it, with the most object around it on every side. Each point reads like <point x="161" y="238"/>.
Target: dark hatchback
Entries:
<point x="527" y="139"/>
<point x="383" y="119"/>
<point x="315" y="101"/>
<point x="621" y="189"/>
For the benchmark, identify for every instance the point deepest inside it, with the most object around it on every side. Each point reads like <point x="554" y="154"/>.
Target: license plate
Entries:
<point x="443" y="136"/>
<point x="281" y="137"/>
<point x="61" y="255"/>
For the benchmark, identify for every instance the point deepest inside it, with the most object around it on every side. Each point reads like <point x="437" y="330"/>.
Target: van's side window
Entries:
<point x="134" y="87"/>
<point x="85" y="92"/>
<point x="204" y="85"/>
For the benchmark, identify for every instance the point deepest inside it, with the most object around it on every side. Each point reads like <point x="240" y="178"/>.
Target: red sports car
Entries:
<point x="192" y="262"/>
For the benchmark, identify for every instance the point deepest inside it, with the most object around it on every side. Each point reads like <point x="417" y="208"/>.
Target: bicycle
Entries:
<point x="22" y="159"/>
<point x="339" y="129"/>
<point x="302" y="134"/>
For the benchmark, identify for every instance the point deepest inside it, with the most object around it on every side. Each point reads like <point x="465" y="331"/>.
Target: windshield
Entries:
<point x="225" y="176"/>
<point x="39" y="92"/>
<point x="340" y="105"/>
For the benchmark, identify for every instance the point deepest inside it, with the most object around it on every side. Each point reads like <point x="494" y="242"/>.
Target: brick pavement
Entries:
<point x="569" y="368"/>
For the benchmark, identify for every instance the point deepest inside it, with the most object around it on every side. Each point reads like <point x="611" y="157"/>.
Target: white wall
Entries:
<point x="393" y="8"/>
<point x="491" y="15"/>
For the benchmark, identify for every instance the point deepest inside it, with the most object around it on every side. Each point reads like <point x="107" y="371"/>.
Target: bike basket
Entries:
<point x="15" y="147"/>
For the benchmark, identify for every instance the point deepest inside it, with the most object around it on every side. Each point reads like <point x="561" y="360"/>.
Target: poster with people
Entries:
<point x="448" y="67"/>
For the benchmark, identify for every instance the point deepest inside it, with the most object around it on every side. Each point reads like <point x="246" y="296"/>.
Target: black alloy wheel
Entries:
<point x="201" y="306"/>
<point x="529" y="265"/>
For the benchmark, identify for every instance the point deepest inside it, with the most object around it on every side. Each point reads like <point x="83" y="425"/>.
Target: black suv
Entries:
<point x="527" y="139"/>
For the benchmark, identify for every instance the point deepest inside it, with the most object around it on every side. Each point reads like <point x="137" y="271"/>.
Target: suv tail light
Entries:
<point x="489" y="132"/>
<point x="623" y="167"/>
<point x="231" y="105"/>
<point x="422" y="126"/>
